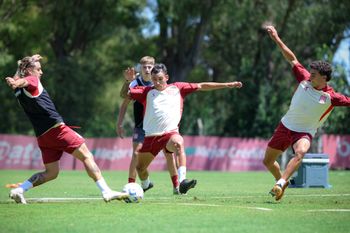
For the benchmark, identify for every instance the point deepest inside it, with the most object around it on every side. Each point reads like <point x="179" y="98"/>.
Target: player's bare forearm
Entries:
<point x="16" y="82"/>
<point x="124" y="90"/>
<point x="208" y="86"/>
<point x="121" y="115"/>
<point x="286" y="52"/>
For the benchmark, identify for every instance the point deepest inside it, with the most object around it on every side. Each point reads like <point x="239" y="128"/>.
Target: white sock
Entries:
<point x="102" y="185"/>
<point x="145" y="183"/>
<point x="26" y="185"/>
<point x="281" y="182"/>
<point x="181" y="171"/>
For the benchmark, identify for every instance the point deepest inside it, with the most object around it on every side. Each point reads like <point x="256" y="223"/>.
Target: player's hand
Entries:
<point x="37" y="57"/>
<point x="272" y="31"/>
<point x="120" y="131"/>
<point x="129" y="74"/>
<point x="235" y="85"/>
<point x="11" y="82"/>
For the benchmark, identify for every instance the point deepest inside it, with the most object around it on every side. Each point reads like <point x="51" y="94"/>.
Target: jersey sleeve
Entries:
<point x="338" y="99"/>
<point x="186" y="88"/>
<point x="33" y="84"/>
<point x="133" y="83"/>
<point x="139" y="93"/>
<point x="300" y="72"/>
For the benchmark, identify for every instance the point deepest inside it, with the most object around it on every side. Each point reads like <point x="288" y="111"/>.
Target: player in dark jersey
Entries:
<point x="311" y="105"/>
<point x="53" y="136"/>
<point x="133" y="80"/>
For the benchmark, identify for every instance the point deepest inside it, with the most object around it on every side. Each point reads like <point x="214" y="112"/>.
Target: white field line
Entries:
<point x="330" y="210"/>
<point x="67" y="199"/>
<point x="294" y="195"/>
<point x="213" y="205"/>
<point x="77" y="199"/>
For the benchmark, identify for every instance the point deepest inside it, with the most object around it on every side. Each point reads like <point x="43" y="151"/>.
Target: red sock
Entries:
<point x="131" y="180"/>
<point x="175" y="181"/>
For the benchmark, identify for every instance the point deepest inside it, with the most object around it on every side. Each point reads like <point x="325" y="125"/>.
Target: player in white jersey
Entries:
<point x="163" y="105"/>
<point x="142" y="79"/>
<point x="311" y="105"/>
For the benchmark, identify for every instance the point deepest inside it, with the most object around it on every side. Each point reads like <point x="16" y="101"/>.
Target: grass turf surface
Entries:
<point x="221" y="202"/>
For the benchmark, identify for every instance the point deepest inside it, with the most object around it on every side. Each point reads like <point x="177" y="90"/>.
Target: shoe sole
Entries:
<point x="194" y="183"/>
<point x="149" y="187"/>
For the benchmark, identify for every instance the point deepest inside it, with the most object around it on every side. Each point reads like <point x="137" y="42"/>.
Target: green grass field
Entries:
<point x="221" y="202"/>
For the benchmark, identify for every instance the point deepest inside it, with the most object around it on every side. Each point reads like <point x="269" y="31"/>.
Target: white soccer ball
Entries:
<point x="135" y="191"/>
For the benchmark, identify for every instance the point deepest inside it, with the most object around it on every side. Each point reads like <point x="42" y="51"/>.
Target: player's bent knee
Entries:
<point x="268" y="162"/>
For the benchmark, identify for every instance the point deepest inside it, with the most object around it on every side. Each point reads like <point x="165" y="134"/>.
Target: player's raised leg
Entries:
<point x="84" y="155"/>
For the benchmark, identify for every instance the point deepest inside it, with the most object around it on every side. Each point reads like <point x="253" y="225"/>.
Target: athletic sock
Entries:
<point x="145" y="183"/>
<point x="26" y="185"/>
<point x="182" y="173"/>
<point x="175" y="181"/>
<point x="131" y="180"/>
<point x="281" y="182"/>
<point x="102" y="185"/>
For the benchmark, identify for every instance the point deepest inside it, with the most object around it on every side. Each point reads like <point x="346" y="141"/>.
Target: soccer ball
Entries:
<point x="135" y="191"/>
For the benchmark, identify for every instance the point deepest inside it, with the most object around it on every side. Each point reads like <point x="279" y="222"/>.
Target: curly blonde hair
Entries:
<point x="23" y="65"/>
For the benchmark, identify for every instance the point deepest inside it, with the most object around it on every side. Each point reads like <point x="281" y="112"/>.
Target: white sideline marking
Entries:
<point x="294" y="195"/>
<point x="67" y="199"/>
<point x="63" y="199"/>
<point x="213" y="205"/>
<point x="260" y="208"/>
<point x="330" y="210"/>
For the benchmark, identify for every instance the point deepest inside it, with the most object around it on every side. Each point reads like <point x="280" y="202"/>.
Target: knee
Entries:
<point x="51" y="174"/>
<point x="268" y="162"/>
<point x="140" y="167"/>
<point x="298" y="156"/>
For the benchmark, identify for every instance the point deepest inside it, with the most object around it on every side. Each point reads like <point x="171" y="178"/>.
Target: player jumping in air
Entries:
<point x="311" y="105"/>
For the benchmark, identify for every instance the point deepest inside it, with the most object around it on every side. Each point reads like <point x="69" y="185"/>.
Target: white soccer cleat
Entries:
<point x="114" y="195"/>
<point x="17" y="195"/>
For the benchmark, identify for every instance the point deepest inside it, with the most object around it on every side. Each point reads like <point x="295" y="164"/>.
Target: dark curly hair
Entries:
<point x="324" y="68"/>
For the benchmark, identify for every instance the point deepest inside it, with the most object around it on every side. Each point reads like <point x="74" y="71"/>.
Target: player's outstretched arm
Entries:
<point x="121" y="115"/>
<point x="287" y="53"/>
<point x="16" y="82"/>
<point x="208" y="86"/>
<point x="129" y="75"/>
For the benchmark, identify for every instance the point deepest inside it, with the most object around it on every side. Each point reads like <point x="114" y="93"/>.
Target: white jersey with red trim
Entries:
<point x="163" y="109"/>
<point x="310" y="107"/>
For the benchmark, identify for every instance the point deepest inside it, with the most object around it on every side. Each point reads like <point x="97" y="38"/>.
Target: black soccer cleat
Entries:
<point x="186" y="185"/>
<point x="149" y="187"/>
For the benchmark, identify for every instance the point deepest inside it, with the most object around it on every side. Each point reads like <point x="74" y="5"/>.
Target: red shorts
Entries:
<point x="282" y="138"/>
<point x="154" y="144"/>
<point x="58" y="140"/>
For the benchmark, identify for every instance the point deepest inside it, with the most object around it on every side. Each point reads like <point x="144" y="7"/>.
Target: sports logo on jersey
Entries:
<point x="322" y="99"/>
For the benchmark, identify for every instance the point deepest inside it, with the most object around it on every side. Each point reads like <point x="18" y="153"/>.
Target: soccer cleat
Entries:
<point x="176" y="191"/>
<point x="114" y="195"/>
<point x="186" y="184"/>
<point x="277" y="191"/>
<point x="149" y="187"/>
<point x="17" y="195"/>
